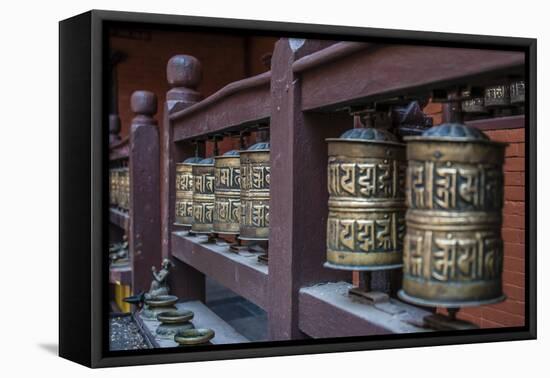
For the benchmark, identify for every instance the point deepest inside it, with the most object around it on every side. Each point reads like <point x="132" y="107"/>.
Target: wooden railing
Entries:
<point x="141" y="221"/>
<point x="305" y="98"/>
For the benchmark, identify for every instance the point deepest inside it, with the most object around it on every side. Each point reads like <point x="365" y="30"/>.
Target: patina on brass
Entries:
<point x="157" y="305"/>
<point x="227" y="189"/>
<point x="122" y="188"/>
<point x="173" y="322"/>
<point x="203" y="196"/>
<point x="159" y="284"/>
<point x="366" y="219"/>
<point x="195" y="336"/>
<point x="113" y="181"/>
<point x="453" y="246"/>
<point x="184" y="191"/>
<point x="255" y="177"/>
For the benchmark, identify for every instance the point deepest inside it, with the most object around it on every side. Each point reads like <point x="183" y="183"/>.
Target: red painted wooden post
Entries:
<point x="183" y="73"/>
<point x="298" y="207"/>
<point x="144" y="234"/>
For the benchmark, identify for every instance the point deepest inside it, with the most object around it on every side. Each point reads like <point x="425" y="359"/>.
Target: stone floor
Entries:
<point x="247" y="318"/>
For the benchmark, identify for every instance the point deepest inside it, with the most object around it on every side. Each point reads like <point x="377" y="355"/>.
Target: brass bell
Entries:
<point x="255" y="177"/>
<point x="184" y="191"/>
<point x="227" y="189"/>
<point x="203" y="196"/>
<point x="453" y="247"/>
<point x="366" y="219"/>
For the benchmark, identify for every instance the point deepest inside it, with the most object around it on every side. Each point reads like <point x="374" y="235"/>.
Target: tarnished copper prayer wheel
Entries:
<point x="453" y="246"/>
<point x="366" y="184"/>
<point x="255" y="177"/>
<point x="227" y="189"/>
<point x="203" y="196"/>
<point x="184" y="191"/>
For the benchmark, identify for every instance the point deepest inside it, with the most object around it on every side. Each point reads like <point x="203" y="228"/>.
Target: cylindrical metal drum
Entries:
<point x="227" y="189"/>
<point x="126" y="196"/>
<point x="203" y="196"/>
<point x="255" y="177"/>
<point x="184" y="191"/>
<point x="113" y="180"/>
<point x="517" y="92"/>
<point x="366" y="182"/>
<point x="453" y="246"/>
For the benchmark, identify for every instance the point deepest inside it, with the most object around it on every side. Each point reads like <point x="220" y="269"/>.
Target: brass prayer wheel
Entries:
<point x="366" y="185"/>
<point x="113" y="181"/>
<point x="255" y="177"/>
<point x="497" y="95"/>
<point x="184" y="191"/>
<point x="203" y="196"/>
<point x="517" y="92"/>
<point x="123" y="188"/>
<point x="227" y="189"/>
<point x="453" y="246"/>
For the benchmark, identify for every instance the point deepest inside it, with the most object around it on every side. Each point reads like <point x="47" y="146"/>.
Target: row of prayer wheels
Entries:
<point x="227" y="194"/>
<point x="432" y="206"/>
<point x="119" y="193"/>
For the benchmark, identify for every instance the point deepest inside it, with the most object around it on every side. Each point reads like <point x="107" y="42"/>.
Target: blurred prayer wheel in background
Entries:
<point x="227" y="189"/>
<point x="366" y="184"/>
<point x="453" y="247"/>
<point x="497" y="95"/>
<point x="113" y="179"/>
<point x="517" y="92"/>
<point x="184" y="191"/>
<point x="203" y="196"/>
<point x="255" y="177"/>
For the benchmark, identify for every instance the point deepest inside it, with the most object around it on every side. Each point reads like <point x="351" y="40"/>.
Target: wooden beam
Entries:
<point x="378" y="71"/>
<point x="244" y="275"/>
<point x="327" y="311"/>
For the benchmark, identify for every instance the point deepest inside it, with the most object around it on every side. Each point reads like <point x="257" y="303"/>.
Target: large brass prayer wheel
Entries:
<point x="227" y="189"/>
<point x="203" y="196"/>
<point x="184" y="191"/>
<point x="453" y="246"/>
<point x="366" y="182"/>
<point x="255" y="177"/>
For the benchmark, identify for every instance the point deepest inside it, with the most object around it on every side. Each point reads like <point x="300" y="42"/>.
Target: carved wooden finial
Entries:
<point x="144" y="105"/>
<point x="184" y="71"/>
<point x="114" y="128"/>
<point x="184" y="74"/>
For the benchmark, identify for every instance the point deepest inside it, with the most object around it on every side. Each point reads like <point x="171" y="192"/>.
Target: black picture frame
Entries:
<point x="83" y="189"/>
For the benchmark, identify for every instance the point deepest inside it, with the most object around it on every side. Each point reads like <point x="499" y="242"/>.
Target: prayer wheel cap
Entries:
<point x="369" y="133"/>
<point x="259" y="146"/>
<point x="232" y="153"/>
<point x="207" y="161"/>
<point x="454" y="131"/>
<point x="193" y="160"/>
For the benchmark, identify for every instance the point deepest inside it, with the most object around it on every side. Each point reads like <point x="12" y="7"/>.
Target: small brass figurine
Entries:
<point x="159" y="285"/>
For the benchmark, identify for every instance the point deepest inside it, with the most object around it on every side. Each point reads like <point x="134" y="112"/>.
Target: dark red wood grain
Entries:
<point x="298" y="204"/>
<point x="144" y="237"/>
<point x="243" y="275"/>
<point x="384" y="70"/>
<point x="238" y="103"/>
